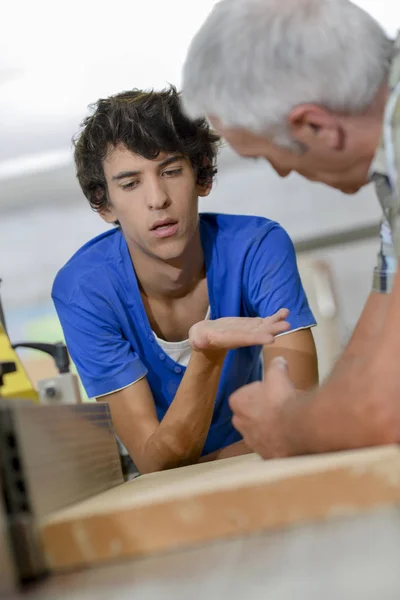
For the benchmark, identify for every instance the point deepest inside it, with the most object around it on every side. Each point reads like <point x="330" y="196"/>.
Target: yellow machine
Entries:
<point x="16" y="384"/>
<point x="62" y="388"/>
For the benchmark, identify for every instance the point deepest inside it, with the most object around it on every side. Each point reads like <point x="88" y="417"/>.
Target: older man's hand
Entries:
<point x="261" y="412"/>
<point x="357" y="409"/>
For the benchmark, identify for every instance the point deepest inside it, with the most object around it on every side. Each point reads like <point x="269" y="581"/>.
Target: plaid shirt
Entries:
<point x="385" y="171"/>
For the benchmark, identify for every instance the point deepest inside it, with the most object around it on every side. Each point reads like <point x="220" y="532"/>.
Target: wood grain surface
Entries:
<point x="243" y="495"/>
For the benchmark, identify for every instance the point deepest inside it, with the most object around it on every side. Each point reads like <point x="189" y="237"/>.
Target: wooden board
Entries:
<point x="237" y="496"/>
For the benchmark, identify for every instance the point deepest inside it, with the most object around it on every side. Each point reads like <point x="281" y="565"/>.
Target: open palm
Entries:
<point x="236" y="332"/>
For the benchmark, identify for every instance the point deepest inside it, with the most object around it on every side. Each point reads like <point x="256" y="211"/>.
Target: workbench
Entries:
<point x="347" y="558"/>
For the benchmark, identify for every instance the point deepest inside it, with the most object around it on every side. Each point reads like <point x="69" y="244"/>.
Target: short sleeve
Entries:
<point x="386" y="266"/>
<point x="273" y="280"/>
<point x="105" y="360"/>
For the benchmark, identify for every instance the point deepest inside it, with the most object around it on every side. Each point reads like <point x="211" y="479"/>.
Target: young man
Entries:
<point x="314" y="87"/>
<point x="165" y="315"/>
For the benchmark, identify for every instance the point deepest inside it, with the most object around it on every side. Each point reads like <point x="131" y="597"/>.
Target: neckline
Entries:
<point x="135" y="301"/>
<point x="181" y="344"/>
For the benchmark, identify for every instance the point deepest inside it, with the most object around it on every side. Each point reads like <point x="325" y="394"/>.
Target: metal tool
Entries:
<point x="50" y="457"/>
<point x="8" y="580"/>
<point x="7" y="571"/>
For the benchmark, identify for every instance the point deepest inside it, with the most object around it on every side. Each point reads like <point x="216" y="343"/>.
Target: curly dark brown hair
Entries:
<point x="147" y="123"/>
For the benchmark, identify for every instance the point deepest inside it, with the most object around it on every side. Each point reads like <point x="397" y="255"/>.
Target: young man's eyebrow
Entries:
<point x="171" y="159"/>
<point x="124" y="175"/>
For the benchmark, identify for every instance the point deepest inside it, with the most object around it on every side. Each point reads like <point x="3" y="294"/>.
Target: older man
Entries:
<point x="314" y="87"/>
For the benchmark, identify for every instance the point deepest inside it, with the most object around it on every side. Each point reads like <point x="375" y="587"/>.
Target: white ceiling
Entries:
<point x="57" y="58"/>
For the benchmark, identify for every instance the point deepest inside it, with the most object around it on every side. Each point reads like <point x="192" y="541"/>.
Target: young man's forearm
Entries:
<point x="180" y="437"/>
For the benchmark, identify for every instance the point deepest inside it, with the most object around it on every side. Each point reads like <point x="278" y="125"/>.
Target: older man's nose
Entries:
<point x="282" y="171"/>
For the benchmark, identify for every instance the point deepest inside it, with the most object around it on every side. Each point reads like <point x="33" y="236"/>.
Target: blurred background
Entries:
<point x="57" y="58"/>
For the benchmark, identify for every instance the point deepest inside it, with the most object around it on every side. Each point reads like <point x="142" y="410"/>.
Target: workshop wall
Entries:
<point x="48" y="76"/>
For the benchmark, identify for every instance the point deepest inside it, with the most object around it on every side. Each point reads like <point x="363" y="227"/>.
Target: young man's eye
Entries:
<point x="130" y="186"/>
<point x="172" y="172"/>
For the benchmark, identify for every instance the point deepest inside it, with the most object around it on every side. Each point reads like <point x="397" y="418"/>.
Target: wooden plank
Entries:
<point x="243" y="495"/>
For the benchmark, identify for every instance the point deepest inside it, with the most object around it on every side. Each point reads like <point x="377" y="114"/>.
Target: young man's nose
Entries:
<point x="157" y="197"/>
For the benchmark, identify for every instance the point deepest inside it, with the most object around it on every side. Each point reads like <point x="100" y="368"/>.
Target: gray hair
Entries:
<point x="252" y="61"/>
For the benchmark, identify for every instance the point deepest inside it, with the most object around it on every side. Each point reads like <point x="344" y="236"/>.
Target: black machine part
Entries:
<point x="2" y="318"/>
<point x="50" y="457"/>
<point x="6" y="367"/>
<point x="58" y="351"/>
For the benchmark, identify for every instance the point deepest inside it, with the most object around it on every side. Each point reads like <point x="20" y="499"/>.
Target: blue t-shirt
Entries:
<point x="251" y="271"/>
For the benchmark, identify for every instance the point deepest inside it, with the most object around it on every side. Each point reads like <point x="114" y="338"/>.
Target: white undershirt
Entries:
<point x="180" y="352"/>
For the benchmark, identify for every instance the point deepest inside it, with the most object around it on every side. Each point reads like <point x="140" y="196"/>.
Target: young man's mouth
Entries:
<point x="165" y="228"/>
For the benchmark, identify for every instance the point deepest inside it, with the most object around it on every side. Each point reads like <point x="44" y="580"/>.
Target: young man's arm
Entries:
<point x="298" y="349"/>
<point x="179" y="438"/>
<point x="271" y="280"/>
